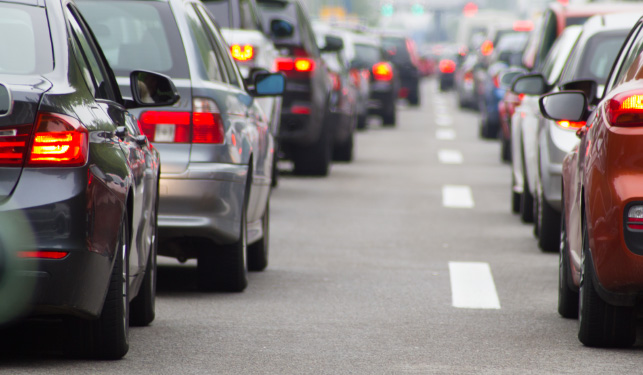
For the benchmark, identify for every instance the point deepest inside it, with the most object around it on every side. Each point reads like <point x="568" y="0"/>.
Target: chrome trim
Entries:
<point x="10" y="109"/>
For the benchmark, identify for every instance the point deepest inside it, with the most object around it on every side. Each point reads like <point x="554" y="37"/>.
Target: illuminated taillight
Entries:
<point x="382" y="71"/>
<point x="304" y="65"/>
<point x="523" y="25"/>
<point x="242" y="53"/>
<point x="294" y="65"/>
<point x="635" y="218"/>
<point x="486" y="48"/>
<point x="202" y="125"/>
<point x="447" y="66"/>
<point x="565" y="124"/>
<point x="335" y="81"/>
<point x="300" y="110"/>
<point x="13" y="145"/>
<point x="59" y="141"/>
<point x="625" y="109"/>
<point x="42" y="254"/>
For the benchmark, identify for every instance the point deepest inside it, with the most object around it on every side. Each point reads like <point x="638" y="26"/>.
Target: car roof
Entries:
<point x="613" y="21"/>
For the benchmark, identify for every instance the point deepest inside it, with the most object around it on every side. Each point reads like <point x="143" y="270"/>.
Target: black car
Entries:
<point x="306" y="132"/>
<point x="403" y="54"/>
<point x="74" y="163"/>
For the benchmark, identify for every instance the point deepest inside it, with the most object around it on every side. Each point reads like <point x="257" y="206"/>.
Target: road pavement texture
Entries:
<point x="406" y="261"/>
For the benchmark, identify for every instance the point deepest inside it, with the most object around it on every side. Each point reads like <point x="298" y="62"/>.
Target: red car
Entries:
<point x="601" y="255"/>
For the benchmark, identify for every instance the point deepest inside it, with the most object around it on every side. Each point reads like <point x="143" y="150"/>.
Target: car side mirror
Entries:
<point x="281" y="28"/>
<point x="333" y="44"/>
<point x="151" y="89"/>
<point x="530" y="84"/>
<point x="587" y="86"/>
<point x="564" y="105"/>
<point x="268" y="84"/>
<point x="507" y="79"/>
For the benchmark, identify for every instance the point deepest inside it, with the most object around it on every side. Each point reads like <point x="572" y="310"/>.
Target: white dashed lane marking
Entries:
<point x="450" y="157"/>
<point x="457" y="196"/>
<point x="445" y="134"/>
<point x="472" y="286"/>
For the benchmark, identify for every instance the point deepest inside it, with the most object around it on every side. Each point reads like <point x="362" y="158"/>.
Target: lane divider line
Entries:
<point x="450" y="156"/>
<point x="443" y="120"/>
<point x="472" y="286"/>
<point x="457" y="196"/>
<point x="445" y="134"/>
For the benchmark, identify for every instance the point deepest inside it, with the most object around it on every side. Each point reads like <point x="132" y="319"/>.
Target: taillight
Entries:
<point x="42" y="254"/>
<point x="486" y="48"/>
<point x="625" y="109"/>
<point x="242" y="53"/>
<point x="635" y="218"/>
<point x="13" y="145"/>
<point x="468" y="76"/>
<point x="290" y="65"/>
<point x="202" y="125"/>
<point x="59" y="141"/>
<point x="565" y="124"/>
<point x="382" y="71"/>
<point x="447" y="66"/>
<point x="335" y="80"/>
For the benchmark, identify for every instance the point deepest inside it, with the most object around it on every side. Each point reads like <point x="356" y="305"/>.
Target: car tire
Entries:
<point x="389" y="118"/>
<point x="548" y="220"/>
<point x="505" y="150"/>
<point x="526" y="200"/>
<point x="414" y="96"/>
<point x="143" y="306"/>
<point x="344" y="151"/>
<point x="361" y="122"/>
<point x="258" y="251"/>
<point x="274" y="178"/>
<point x="224" y="268"/>
<point x="314" y="159"/>
<point x="599" y="323"/>
<point x="567" y="297"/>
<point x="108" y="336"/>
<point x="515" y="197"/>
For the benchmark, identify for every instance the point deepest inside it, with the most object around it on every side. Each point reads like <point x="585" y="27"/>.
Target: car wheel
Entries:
<point x="108" y="336"/>
<point x="599" y="323"/>
<point x="314" y="160"/>
<point x="274" y="180"/>
<point x="142" y="308"/>
<point x="515" y="197"/>
<point x="344" y="151"/>
<point x="526" y="200"/>
<point x="567" y="297"/>
<point x="258" y="251"/>
<point x="389" y="118"/>
<point x="548" y="226"/>
<point x="224" y="268"/>
<point x="505" y="150"/>
<point x="361" y="122"/>
<point x="414" y="96"/>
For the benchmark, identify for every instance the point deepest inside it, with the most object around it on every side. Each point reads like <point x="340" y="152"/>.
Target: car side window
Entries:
<point x="98" y="77"/>
<point x="210" y="61"/>
<point x="245" y="14"/>
<point x="307" y="35"/>
<point x="631" y="60"/>
<point x="222" y="48"/>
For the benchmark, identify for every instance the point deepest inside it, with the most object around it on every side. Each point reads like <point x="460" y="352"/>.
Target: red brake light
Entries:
<point x="382" y="71"/>
<point x="523" y="25"/>
<point x="242" y="53"/>
<point x="625" y="109"/>
<point x="42" y="254"/>
<point x="486" y="48"/>
<point x="13" y="145"/>
<point x="59" y="141"/>
<point x="304" y="64"/>
<point x="284" y="64"/>
<point x="565" y="124"/>
<point x="299" y="64"/>
<point x="207" y="125"/>
<point x="447" y="66"/>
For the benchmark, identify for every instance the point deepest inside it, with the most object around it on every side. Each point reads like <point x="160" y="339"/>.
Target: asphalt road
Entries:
<point x="406" y="261"/>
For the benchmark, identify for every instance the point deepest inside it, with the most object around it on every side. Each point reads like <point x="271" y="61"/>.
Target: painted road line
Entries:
<point x="472" y="286"/>
<point x="450" y="156"/>
<point x="457" y="196"/>
<point x="442" y="120"/>
<point x="445" y="134"/>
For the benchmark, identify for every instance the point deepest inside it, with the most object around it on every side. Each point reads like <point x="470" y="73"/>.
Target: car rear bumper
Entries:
<point x="204" y="201"/>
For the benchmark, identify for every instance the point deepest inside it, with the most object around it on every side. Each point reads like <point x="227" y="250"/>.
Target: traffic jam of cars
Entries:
<point x="160" y="129"/>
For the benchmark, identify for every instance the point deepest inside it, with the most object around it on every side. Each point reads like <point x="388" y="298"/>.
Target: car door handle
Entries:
<point x="121" y="132"/>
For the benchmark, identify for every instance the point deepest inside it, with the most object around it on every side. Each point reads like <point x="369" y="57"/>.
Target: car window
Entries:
<point x="247" y="16"/>
<point x="367" y="55"/>
<point x="100" y="83"/>
<point x="557" y="57"/>
<point x="28" y="50"/>
<point x="211" y="65"/>
<point x="632" y="67"/>
<point x="549" y="34"/>
<point x="223" y="50"/>
<point x="307" y="34"/>
<point x="137" y="35"/>
<point x="598" y="57"/>
<point x="221" y="10"/>
<point x="276" y="9"/>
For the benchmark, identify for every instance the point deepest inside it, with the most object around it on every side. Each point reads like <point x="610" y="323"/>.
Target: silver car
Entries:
<point x="215" y="143"/>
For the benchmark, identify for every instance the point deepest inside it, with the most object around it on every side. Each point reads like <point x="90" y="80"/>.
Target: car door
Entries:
<point x="113" y="114"/>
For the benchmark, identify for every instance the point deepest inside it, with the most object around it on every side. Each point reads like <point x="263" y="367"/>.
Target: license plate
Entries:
<point x="164" y="133"/>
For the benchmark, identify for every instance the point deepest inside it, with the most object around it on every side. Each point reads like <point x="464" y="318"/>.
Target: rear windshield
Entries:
<point x="367" y="55"/>
<point x="513" y="42"/>
<point x="137" y="35"/>
<point x="598" y="57"/>
<point x="274" y="9"/>
<point x="396" y="48"/>
<point x="221" y="11"/>
<point x="25" y="44"/>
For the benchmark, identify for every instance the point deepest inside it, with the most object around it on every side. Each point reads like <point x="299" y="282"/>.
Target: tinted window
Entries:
<point x="555" y="61"/>
<point x="24" y="40"/>
<point x="598" y="57"/>
<point x="137" y="35"/>
<point x="575" y="21"/>
<point x="367" y="55"/>
<point x="210" y="63"/>
<point x="632" y="67"/>
<point x="221" y="11"/>
<point x="274" y="9"/>
<point x="397" y="48"/>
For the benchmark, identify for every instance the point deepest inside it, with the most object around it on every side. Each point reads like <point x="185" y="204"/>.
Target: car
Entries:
<point x="591" y="59"/>
<point x="449" y="58"/>
<point x="403" y="54"/>
<point x="253" y="51"/>
<point x="306" y="132"/>
<point x="77" y="170"/>
<point x="215" y="143"/>
<point x="601" y="255"/>
<point x="344" y="97"/>
<point x="384" y="80"/>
